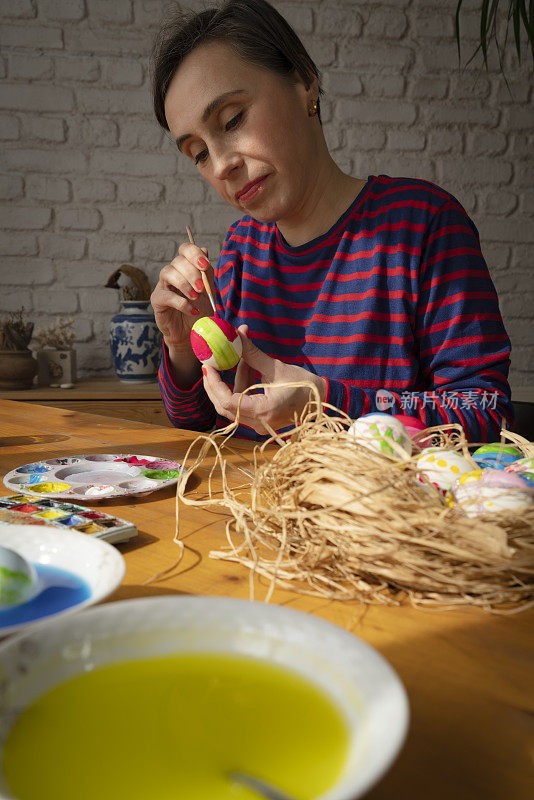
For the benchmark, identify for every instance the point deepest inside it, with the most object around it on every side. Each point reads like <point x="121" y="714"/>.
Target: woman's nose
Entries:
<point x="225" y="162"/>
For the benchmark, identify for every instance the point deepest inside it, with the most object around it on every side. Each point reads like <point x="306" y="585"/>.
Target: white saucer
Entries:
<point x="98" y="563"/>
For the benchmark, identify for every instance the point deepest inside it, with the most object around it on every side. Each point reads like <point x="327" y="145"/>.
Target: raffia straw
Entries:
<point x="328" y="517"/>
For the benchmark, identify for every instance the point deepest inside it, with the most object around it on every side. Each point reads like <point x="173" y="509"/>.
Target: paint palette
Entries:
<point x="94" y="477"/>
<point x="21" y="509"/>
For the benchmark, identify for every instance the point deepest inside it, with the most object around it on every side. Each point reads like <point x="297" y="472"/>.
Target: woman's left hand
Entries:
<point x="277" y="406"/>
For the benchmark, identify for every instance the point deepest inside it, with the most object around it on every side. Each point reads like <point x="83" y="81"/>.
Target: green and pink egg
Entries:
<point x="216" y="342"/>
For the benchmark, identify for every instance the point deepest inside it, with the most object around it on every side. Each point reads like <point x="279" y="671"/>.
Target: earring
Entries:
<point x="313" y="110"/>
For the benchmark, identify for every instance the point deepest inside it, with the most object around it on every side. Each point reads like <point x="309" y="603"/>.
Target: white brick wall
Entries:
<point x="89" y="181"/>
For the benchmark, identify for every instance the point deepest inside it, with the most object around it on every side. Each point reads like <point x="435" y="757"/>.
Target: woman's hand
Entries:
<point x="179" y="298"/>
<point x="277" y="407"/>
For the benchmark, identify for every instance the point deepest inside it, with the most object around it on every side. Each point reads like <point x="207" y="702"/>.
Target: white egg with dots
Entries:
<point x="441" y="467"/>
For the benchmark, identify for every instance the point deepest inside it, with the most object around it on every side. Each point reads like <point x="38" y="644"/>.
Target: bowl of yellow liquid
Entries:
<point x="167" y="698"/>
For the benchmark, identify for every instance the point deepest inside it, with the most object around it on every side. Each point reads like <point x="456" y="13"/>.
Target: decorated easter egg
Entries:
<point x="496" y="455"/>
<point x="18" y="578"/>
<point x="215" y="342"/>
<point x="491" y="491"/>
<point x="412" y="424"/>
<point x="441" y="467"/>
<point x="521" y="465"/>
<point x="377" y="430"/>
<point x="528" y="477"/>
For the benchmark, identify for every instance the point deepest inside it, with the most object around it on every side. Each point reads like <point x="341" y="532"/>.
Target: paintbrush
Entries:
<point x="204" y="276"/>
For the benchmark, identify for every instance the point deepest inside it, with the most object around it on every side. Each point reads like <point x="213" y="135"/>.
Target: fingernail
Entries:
<point x="199" y="285"/>
<point x="194" y="311"/>
<point x="193" y="294"/>
<point x="204" y="371"/>
<point x="203" y="262"/>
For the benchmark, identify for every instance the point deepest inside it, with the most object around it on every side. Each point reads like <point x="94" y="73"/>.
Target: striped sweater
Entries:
<point x="393" y="306"/>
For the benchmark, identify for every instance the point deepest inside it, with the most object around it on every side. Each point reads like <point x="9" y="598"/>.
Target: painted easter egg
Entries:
<point x="215" y="342"/>
<point x="441" y="467"/>
<point x="490" y="491"/>
<point x="412" y="424"/>
<point x="496" y="455"/>
<point x="521" y="465"/>
<point x="377" y="430"/>
<point x="18" y="578"/>
<point x="528" y="477"/>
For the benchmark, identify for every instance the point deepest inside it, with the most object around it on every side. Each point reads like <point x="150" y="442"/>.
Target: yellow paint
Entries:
<point x="442" y="463"/>
<point x="50" y="513"/>
<point x="48" y="487"/>
<point x="455" y="469"/>
<point x="172" y="728"/>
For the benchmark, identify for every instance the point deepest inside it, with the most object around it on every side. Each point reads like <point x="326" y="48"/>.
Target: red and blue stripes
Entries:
<point x="396" y="296"/>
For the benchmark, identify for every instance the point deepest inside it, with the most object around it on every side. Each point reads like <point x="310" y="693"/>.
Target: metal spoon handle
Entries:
<point x="262" y="787"/>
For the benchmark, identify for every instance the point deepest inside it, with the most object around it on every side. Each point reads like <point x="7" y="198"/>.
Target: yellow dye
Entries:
<point x="47" y="486"/>
<point x="173" y="728"/>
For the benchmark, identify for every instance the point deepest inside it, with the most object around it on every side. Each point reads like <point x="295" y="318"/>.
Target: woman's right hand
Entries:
<point x="179" y="298"/>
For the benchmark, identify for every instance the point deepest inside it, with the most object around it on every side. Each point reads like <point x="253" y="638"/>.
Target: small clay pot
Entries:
<point x="17" y="369"/>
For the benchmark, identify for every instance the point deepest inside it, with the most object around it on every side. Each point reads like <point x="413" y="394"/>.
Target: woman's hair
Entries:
<point x="252" y="28"/>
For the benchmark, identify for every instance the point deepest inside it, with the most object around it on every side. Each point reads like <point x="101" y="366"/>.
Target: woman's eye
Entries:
<point x="202" y="156"/>
<point x="232" y="123"/>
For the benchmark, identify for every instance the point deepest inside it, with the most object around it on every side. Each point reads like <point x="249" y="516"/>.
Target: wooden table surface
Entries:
<point x="468" y="673"/>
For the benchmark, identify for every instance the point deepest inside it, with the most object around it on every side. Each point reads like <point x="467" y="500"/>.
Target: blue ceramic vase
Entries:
<point x="135" y="342"/>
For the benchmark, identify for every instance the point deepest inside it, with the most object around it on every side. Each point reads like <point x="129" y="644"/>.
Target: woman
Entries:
<point x="374" y="290"/>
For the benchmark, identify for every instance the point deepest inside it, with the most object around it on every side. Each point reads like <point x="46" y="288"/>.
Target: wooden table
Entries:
<point x="468" y="673"/>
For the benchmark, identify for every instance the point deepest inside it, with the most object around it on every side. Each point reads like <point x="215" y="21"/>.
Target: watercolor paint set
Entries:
<point x="94" y="477"/>
<point x="22" y="509"/>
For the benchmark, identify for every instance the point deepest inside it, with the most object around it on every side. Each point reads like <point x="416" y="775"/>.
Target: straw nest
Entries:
<point x="327" y="517"/>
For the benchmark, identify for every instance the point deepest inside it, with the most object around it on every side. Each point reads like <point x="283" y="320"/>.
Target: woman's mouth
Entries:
<point x="251" y="189"/>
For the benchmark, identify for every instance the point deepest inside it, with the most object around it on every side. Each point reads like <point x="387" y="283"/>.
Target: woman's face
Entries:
<point x="247" y="129"/>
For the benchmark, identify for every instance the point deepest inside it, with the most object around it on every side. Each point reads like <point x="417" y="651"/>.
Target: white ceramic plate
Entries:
<point x="98" y="563"/>
<point x="364" y="686"/>
<point x="93" y="477"/>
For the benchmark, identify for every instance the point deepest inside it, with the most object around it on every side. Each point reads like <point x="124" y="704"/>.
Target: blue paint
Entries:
<point x="74" y="519"/>
<point x="33" y="468"/>
<point x="59" y="590"/>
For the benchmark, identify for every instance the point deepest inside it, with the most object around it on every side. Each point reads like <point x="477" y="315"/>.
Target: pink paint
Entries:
<point x="164" y="464"/>
<point x="136" y="462"/>
<point x="228" y="330"/>
<point x="201" y="348"/>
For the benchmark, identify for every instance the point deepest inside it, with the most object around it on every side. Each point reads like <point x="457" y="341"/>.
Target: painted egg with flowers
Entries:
<point x="377" y="431"/>
<point x="521" y="465"/>
<point x="215" y="342"/>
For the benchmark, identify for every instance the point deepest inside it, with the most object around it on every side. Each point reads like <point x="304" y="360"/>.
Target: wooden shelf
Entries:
<point x="140" y="402"/>
<point x="88" y="389"/>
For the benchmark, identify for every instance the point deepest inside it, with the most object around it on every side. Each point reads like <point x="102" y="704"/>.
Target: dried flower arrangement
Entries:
<point x="138" y="289"/>
<point x="57" y="336"/>
<point x="15" y="334"/>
